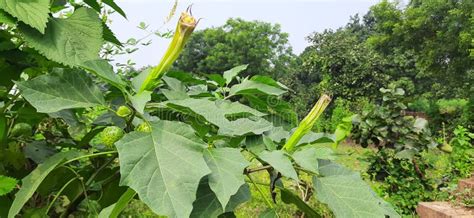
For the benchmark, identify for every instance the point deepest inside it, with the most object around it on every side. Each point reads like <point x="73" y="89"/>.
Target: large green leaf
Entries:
<point x="349" y="196"/>
<point x="227" y="165"/>
<point x="61" y="90"/>
<point x="71" y="41"/>
<point x="115" y="209"/>
<point x="164" y="167"/>
<point x="218" y="113"/>
<point x="104" y="70"/>
<point x="254" y="87"/>
<point x="207" y="205"/>
<point x="308" y="157"/>
<point x="279" y="160"/>
<point x="30" y="183"/>
<point x="32" y="12"/>
<point x="7" y="184"/>
<point x="230" y="74"/>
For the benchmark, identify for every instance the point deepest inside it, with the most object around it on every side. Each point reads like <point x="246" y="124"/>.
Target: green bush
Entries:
<point x="402" y="183"/>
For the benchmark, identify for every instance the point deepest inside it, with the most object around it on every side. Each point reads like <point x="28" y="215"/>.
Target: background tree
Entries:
<point x="261" y="45"/>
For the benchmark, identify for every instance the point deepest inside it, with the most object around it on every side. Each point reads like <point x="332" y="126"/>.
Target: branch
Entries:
<point x="248" y="171"/>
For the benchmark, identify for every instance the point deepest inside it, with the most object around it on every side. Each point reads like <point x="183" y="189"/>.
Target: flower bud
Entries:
<point x="186" y="25"/>
<point x="308" y="122"/>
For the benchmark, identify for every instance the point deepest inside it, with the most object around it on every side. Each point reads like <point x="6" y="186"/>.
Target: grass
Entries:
<point x="348" y="155"/>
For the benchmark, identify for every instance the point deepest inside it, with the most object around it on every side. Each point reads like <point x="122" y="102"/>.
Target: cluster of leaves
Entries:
<point x="400" y="140"/>
<point x="84" y="140"/>
<point x="402" y="183"/>
<point x="386" y="125"/>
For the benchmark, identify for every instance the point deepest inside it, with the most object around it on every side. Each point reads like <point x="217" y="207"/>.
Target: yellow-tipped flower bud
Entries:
<point x="308" y="122"/>
<point x="186" y="25"/>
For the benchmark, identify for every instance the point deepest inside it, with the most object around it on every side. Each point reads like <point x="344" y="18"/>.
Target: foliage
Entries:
<point x="67" y="124"/>
<point x="261" y="45"/>
<point x="401" y="182"/>
<point x="387" y="126"/>
<point x="424" y="43"/>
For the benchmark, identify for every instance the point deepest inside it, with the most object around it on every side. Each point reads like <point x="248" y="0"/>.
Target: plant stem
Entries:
<point x="59" y="193"/>
<point x="253" y="170"/>
<point x="267" y="201"/>
<point x="90" y="155"/>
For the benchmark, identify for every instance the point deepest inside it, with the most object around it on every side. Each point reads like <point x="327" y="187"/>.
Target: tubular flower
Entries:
<point x="186" y="25"/>
<point x="308" y="122"/>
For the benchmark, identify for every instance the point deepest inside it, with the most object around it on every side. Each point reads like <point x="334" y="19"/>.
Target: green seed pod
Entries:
<point x="21" y="129"/>
<point x="144" y="127"/>
<point x="110" y="135"/>
<point x="123" y="111"/>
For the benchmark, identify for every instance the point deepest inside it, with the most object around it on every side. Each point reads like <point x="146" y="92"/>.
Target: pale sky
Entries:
<point x="299" y="18"/>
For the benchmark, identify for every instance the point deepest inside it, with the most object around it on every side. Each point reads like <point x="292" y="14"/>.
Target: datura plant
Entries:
<point x="78" y="139"/>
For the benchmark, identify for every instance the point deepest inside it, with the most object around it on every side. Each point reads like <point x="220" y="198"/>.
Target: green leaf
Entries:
<point x="254" y="87"/>
<point x="30" y="183"/>
<point x="279" y="160"/>
<point x="61" y="90"/>
<point x="227" y="166"/>
<point x="38" y="151"/>
<point x="93" y="4"/>
<point x="113" y="5"/>
<point x="218" y="113"/>
<point x="289" y="197"/>
<point x="105" y="71"/>
<point x="312" y="137"/>
<point x="273" y="105"/>
<point x="32" y="12"/>
<point x="230" y="74"/>
<point x="329" y="168"/>
<point x="139" y="101"/>
<point x="277" y="134"/>
<point x="207" y="205"/>
<point x="269" y="81"/>
<point x="7" y="184"/>
<point x="115" y="209"/>
<point x="71" y="41"/>
<point x="349" y="196"/>
<point x="6" y="18"/>
<point x="217" y="78"/>
<point x="307" y="158"/>
<point x="164" y="167"/>
<point x="109" y="36"/>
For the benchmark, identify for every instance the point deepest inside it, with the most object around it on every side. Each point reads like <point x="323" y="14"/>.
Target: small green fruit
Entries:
<point x="123" y="111"/>
<point x="110" y="135"/>
<point x="144" y="127"/>
<point x="21" y="129"/>
<point x="446" y="148"/>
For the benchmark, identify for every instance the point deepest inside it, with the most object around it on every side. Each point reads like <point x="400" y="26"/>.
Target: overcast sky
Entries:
<point x="299" y="18"/>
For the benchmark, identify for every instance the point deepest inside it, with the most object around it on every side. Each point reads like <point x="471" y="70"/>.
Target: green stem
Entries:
<point x="92" y="177"/>
<point x="267" y="201"/>
<point x="59" y="193"/>
<point x="90" y="155"/>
